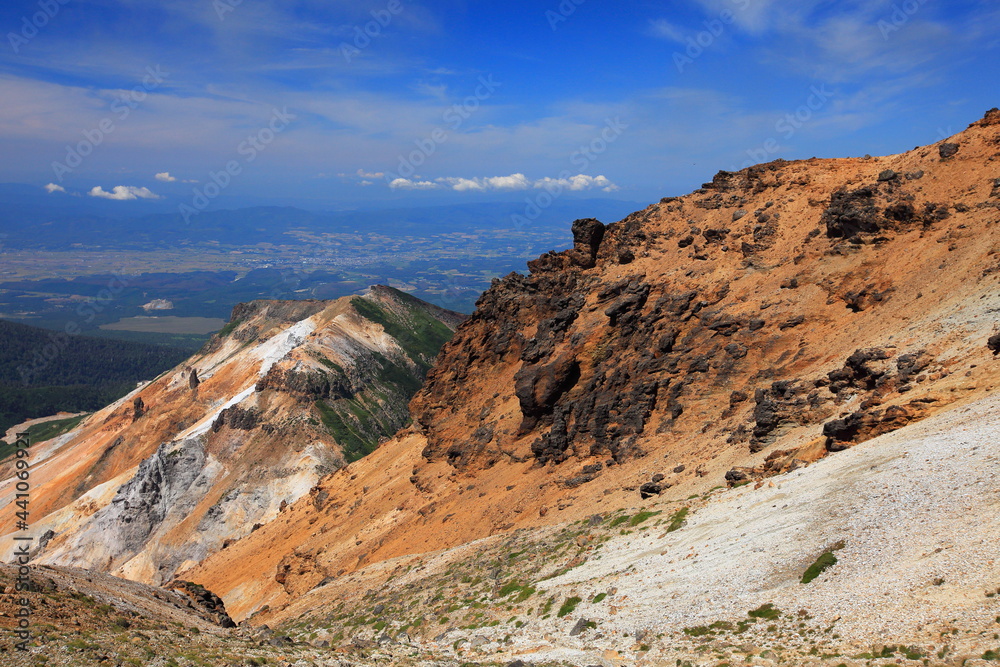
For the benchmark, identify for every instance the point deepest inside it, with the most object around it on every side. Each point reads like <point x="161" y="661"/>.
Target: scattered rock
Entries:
<point x="650" y="489"/>
<point x="887" y="175"/>
<point x="994" y="344"/>
<point x="947" y="150"/>
<point x="138" y="408"/>
<point x="792" y="323"/>
<point x="581" y="626"/>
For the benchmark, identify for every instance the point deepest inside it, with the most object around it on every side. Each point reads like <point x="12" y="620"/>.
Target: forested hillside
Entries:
<point x="43" y="372"/>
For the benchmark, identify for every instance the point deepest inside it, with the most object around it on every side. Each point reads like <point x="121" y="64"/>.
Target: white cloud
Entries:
<point x="519" y="181"/>
<point x="52" y="187"/>
<point x="577" y="183"/>
<point x="123" y="193"/>
<point x="165" y="177"/>
<point x="364" y="174"/>
<point x="512" y="182"/>
<point x="407" y="184"/>
<point x="666" y="30"/>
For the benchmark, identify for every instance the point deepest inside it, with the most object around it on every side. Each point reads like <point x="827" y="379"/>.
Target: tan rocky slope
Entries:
<point x="208" y="452"/>
<point x="772" y="317"/>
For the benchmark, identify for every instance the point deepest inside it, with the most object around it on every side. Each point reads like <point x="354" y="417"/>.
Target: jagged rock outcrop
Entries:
<point x="203" y="599"/>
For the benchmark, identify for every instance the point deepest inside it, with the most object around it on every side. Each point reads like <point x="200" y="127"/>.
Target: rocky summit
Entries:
<point x="755" y="424"/>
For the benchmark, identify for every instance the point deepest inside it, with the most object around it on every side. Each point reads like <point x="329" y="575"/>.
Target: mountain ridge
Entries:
<point x="285" y="394"/>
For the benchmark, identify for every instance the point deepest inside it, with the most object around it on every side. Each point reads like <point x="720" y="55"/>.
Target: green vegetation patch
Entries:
<point x="54" y="428"/>
<point x="523" y="591"/>
<point x="827" y="560"/>
<point x="228" y="328"/>
<point x="641" y="516"/>
<point x="568" y="606"/>
<point x="355" y="444"/>
<point x="677" y="520"/>
<point x="768" y="611"/>
<point x="420" y="334"/>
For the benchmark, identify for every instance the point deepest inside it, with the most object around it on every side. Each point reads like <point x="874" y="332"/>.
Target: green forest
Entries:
<point x="43" y="372"/>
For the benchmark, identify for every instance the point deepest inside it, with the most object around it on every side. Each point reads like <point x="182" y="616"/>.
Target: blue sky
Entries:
<point x="331" y="103"/>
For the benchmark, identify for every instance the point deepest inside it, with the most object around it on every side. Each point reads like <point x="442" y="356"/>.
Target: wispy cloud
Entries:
<point x="664" y="29"/>
<point x="513" y="182"/>
<point x="407" y="184"/>
<point x="52" y="187"/>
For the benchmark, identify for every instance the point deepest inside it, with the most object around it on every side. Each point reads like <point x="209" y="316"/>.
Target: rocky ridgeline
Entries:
<point x="608" y="347"/>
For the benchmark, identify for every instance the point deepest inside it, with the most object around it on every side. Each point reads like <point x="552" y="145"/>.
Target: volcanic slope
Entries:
<point x="775" y="316"/>
<point x="205" y="454"/>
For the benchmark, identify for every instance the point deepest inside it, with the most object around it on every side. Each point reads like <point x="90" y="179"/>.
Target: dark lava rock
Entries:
<point x="579" y="627"/>
<point x="911" y="365"/>
<point x="994" y="344"/>
<point x="539" y="387"/>
<point x="792" y="323"/>
<point x="887" y="175"/>
<point x="679" y="469"/>
<point x="650" y="489"/>
<point x="587" y="236"/>
<point x="735" y="475"/>
<point x="242" y="419"/>
<point x="658" y="477"/>
<point x="578" y="481"/>
<point x="851" y="213"/>
<point x="138" y="408"/>
<point x="736" y="350"/>
<point x="947" y="150"/>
